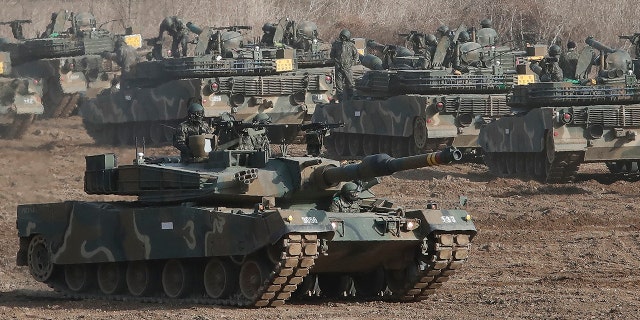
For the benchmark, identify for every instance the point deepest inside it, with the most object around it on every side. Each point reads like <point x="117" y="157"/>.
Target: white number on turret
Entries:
<point x="309" y="220"/>
<point x="448" y="219"/>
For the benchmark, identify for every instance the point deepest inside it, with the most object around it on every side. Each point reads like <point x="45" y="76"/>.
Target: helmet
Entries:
<point x="345" y="34"/>
<point x="571" y="45"/>
<point x="464" y="36"/>
<point x="85" y="20"/>
<point x="431" y="39"/>
<point x="485" y="23"/>
<point x="554" y="50"/>
<point x="442" y="30"/>
<point x="268" y="27"/>
<point x="195" y="112"/>
<point x="262" y="118"/>
<point x="350" y="191"/>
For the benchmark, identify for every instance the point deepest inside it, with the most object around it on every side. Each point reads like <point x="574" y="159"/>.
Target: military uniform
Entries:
<point x="124" y="55"/>
<point x="345" y="56"/>
<point x="568" y="63"/>
<point x="548" y="70"/>
<point x="177" y="30"/>
<point x="487" y="37"/>
<point x="184" y="131"/>
<point x="339" y="204"/>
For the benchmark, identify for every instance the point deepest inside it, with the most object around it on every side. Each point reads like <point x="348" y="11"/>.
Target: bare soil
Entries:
<point x="542" y="251"/>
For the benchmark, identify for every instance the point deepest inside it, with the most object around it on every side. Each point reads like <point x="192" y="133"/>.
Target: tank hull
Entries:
<point x="21" y="102"/>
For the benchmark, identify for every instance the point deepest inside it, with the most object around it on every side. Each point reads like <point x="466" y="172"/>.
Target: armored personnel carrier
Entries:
<point x="20" y="101"/>
<point x="240" y="229"/>
<point x="559" y="125"/>
<point x="226" y="75"/>
<point x="412" y="106"/>
<point x="66" y="58"/>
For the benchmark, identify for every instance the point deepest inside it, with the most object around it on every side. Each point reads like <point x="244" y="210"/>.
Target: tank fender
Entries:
<point x="30" y="104"/>
<point x="520" y="133"/>
<point x="299" y="221"/>
<point x="443" y="220"/>
<point x="73" y="82"/>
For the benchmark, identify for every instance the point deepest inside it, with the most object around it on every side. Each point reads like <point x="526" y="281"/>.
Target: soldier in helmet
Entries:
<point x="442" y="31"/>
<point x="256" y="138"/>
<point x="268" y="31"/>
<point x="123" y="54"/>
<point x="344" y="55"/>
<point x="347" y="200"/>
<point x="178" y="31"/>
<point x="549" y="68"/>
<point x="194" y="125"/>
<point x="569" y="61"/>
<point x="487" y="36"/>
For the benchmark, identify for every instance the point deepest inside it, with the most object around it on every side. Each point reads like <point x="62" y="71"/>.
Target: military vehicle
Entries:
<point x="225" y="74"/>
<point x="20" y="101"/>
<point x="412" y="107"/>
<point x="241" y="229"/>
<point x="66" y="57"/>
<point x="559" y="125"/>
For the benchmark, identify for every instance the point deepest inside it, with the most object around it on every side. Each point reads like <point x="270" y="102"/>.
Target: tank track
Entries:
<point x="562" y="169"/>
<point x="62" y="107"/>
<point x="19" y="127"/>
<point x="297" y="257"/>
<point x="353" y="146"/>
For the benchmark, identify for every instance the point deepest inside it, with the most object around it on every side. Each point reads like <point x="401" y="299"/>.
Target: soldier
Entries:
<point x="344" y="55"/>
<point x="194" y="125"/>
<point x="256" y="138"/>
<point x="487" y="36"/>
<point x="442" y="31"/>
<point x="268" y="30"/>
<point x="569" y="61"/>
<point x="123" y="54"/>
<point x="347" y="200"/>
<point x="178" y="31"/>
<point x="549" y="69"/>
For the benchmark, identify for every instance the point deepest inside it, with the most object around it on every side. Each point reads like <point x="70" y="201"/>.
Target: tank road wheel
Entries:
<point x="369" y="284"/>
<point x="176" y="279"/>
<point x="355" y="145"/>
<point x="384" y="144"/>
<point x="334" y="285"/>
<point x="79" y="277"/>
<point x="39" y="259"/>
<point x="341" y="144"/>
<point x="369" y="145"/>
<point x="419" y="133"/>
<point x="139" y="278"/>
<point x="220" y="278"/>
<point x="111" y="278"/>
<point x="252" y="275"/>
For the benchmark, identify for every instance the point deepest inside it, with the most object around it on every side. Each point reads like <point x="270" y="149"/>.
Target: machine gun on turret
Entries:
<point x="16" y="27"/>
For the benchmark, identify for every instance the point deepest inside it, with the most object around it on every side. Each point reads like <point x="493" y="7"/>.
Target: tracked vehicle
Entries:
<point x="66" y="58"/>
<point x="226" y="74"/>
<point x="559" y="125"/>
<point x="240" y="229"/>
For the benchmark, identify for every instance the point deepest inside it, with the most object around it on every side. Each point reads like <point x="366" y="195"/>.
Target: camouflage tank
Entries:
<point x="225" y="74"/>
<point x="20" y="101"/>
<point x="240" y="229"/>
<point x="411" y="107"/>
<point x="559" y="125"/>
<point x="66" y="59"/>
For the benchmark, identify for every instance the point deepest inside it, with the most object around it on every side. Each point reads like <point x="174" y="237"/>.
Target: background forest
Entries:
<point x="546" y="20"/>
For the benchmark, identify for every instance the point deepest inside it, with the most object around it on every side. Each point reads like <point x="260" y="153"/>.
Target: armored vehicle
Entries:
<point x="20" y="101"/>
<point x="559" y="125"/>
<point x="412" y="107"/>
<point x="239" y="228"/>
<point x="225" y="74"/>
<point x="66" y="58"/>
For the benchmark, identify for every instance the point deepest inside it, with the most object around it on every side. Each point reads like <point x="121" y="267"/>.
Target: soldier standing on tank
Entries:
<point x="268" y="31"/>
<point x="345" y="56"/>
<point x="487" y="36"/>
<point x="569" y="61"/>
<point x="549" y="68"/>
<point x="347" y="200"/>
<point x="176" y="28"/>
<point x="194" y="125"/>
<point x="123" y="54"/>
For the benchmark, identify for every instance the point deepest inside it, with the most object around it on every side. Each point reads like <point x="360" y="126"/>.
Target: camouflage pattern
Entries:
<point x="264" y="219"/>
<point x="124" y="55"/>
<point x="184" y="131"/>
<point x="548" y="70"/>
<point x="340" y="204"/>
<point x="568" y="63"/>
<point x="345" y="56"/>
<point x="487" y="37"/>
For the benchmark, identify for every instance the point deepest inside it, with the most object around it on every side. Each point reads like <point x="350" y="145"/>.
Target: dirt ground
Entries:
<point x="542" y="251"/>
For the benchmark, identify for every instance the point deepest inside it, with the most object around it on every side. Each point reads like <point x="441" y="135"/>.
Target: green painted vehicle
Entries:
<point x="241" y="229"/>
<point x="557" y="126"/>
<point x="286" y="80"/>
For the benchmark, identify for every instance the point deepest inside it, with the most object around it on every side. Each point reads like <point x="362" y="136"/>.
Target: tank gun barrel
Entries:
<point x="383" y="165"/>
<point x="599" y="46"/>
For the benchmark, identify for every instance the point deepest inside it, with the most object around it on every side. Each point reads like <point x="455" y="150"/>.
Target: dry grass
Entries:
<point x="550" y="20"/>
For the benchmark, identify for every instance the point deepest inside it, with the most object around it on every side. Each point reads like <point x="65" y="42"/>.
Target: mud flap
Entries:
<point x="443" y="220"/>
